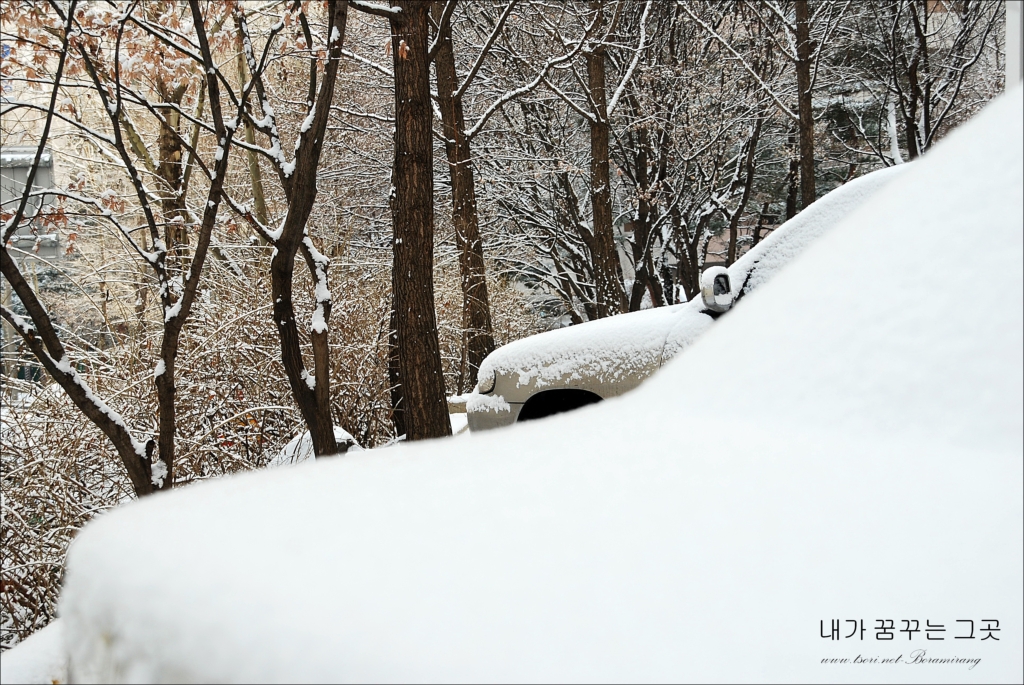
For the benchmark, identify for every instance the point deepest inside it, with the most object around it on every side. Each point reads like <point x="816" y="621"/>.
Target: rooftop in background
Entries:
<point x="17" y="157"/>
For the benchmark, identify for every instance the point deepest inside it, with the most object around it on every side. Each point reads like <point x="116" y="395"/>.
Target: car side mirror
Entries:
<point x="716" y="289"/>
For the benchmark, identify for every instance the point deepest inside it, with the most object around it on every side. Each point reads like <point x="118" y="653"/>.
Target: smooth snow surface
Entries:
<point x="846" y="444"/>
<point x="41" y="658"/>
<point x="765" y="259"/>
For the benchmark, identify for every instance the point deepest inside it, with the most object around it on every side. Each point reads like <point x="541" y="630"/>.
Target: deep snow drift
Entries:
<point x="846" y="444"/>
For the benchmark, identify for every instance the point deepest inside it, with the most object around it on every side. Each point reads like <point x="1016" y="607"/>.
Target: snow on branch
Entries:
<point x="632" y="65"/>
<point x="373" y="65"/>
<point x="376" y="9"/>
<point x="485" y="49"/>
<point x="443" y="20"/>
<point x="725" y="44"/>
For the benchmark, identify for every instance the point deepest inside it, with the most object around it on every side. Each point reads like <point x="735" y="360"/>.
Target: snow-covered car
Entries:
<point x="729" y="520"/>
<point x="572" y="367"/>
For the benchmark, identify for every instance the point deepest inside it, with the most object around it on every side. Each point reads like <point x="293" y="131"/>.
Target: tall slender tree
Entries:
<point x="299" y="182"/>
<point x="412" y="211"/>
<point x="804" y="56"/>
<point x="607" y="270"/>
<point x="476" y="309"/>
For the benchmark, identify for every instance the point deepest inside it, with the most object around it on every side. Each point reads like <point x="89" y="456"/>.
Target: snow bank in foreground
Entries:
<point x="859" y="457"/>
<point x="41" y="658"/>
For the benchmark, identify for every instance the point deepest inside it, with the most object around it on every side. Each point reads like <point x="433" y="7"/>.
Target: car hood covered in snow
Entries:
<point x="630" y="346"/>
<point x="613" y="349"/>
<point x="848" y="449"/>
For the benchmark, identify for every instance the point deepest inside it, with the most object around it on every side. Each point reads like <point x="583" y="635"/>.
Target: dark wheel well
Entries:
<point x="555" y="402"/>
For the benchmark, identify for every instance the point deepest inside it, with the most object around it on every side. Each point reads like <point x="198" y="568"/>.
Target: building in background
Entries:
<point x="31" y="240"/>
<point x="15" y="164"/>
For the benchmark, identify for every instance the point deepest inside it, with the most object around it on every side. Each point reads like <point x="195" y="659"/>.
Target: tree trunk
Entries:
<point x="169" y="168"/>
<point x="760" y="224"/>
<point x="412" y="213"/>
<point x="172" y="205"/>
<point x="259" y="202"/>
<point x="645" y="278"/>
<point x="916" y="98"/>
<point x="792" y="179"/>
<point x="749" y="167"/>
<point x="607" y="269"/>
<point x="804" y="54"/>
<point x="476" y="309"/>
<point x="311" y="391"/>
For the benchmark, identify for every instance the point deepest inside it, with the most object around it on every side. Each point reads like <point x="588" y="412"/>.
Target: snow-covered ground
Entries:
<point x="41" y="658"/>
<point x="846" y="445"/>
